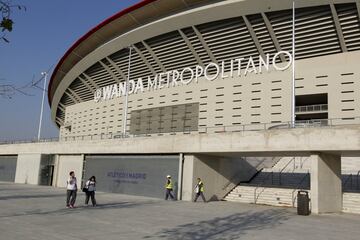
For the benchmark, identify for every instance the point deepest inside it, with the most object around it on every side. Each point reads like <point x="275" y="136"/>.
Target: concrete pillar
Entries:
<point x="188" y="181"/>
<point x="65" y="164"/>
<point x="27" y="168"/>
<point x="326" y="192"/>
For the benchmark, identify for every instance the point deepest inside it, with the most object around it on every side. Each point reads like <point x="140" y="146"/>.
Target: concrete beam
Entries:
<point x="204" y="44"/>
<point x="273" y="35"/>
<point x="254" y="37"/>
<point x="143" y="58"/>
<point x="326" y="192"/>
<point x="88" y="86"/>
<point x="338" y="28"/>
<point x="275" y="142"/>
<point x="75" y="95"/>
<point x="358" y="8"/>
<point x="110" y="72"/>
<point x="153" y="55"/>
<point x="71" y="96"/>
<point x="190" y="46"/>
<point x="122" y="74"/>
<point x="91" y="81"/>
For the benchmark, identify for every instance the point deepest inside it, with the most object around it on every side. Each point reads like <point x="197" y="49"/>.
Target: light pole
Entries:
<point x="127" y="93"/>
<point x="293" y="68"/>
<point x="42" y="104"/>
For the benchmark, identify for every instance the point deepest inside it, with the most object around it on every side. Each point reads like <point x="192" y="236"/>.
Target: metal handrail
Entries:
<point x="215" y="129"/>
<point x="230" y="181"/>
<point x="261" y="184"/>
<point x="312" y="108"/>
<point x="233" y="177"/>
<point x="350" y="178"/>
<point x="346" y="180"/>
<point x="281" y="171"/>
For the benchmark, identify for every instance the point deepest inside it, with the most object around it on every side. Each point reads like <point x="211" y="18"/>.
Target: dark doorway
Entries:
<point x="46" y="170"/>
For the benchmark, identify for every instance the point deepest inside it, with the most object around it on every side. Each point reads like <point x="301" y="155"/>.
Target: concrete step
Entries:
<point x="351" y="202"/>
<point x="284" y="197"/>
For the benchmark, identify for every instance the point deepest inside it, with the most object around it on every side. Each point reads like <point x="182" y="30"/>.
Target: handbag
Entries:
<point x="85" y="189"/>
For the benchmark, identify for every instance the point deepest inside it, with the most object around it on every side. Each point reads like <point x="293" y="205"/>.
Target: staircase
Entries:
<point x="283" y="197"/>
<point x="351" y="202"/>
<point x="278" y="185"/>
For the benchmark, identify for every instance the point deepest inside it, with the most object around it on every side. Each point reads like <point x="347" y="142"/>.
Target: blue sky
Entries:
<point x="41" y="36"/>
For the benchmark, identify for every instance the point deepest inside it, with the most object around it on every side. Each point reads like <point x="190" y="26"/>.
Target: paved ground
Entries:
<point x="32" y="212"/>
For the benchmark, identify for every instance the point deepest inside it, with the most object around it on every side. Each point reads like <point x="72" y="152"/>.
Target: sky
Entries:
<point x="41" y="36"/>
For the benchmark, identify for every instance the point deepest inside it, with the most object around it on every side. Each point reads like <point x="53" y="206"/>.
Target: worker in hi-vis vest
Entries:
<point x="169" y="188"/>
<point x="199" y="190"/>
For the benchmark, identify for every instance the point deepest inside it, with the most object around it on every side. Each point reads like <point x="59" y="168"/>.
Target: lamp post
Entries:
<point x="127" y="93"/>
<point x="293" y="68"/>
<point x="44" y="74"/>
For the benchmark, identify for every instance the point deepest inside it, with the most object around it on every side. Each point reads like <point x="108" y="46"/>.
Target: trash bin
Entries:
<point x="303" y="203"/>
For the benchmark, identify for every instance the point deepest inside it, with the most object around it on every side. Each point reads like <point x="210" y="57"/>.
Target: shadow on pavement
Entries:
<point x="3" y="198"/>
<point x="66" y="211"/>
<point x="229" y="228"/>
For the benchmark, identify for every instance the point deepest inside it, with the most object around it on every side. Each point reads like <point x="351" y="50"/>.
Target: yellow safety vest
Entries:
<point x="169" y="184"/>
<point x="201" y="186"/>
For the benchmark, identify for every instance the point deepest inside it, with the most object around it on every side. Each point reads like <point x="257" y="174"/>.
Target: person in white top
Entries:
<point x="71" y="190"/>
<point x="90" y="187"/>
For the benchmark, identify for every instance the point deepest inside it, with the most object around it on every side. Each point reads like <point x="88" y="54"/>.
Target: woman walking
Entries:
<point x="90" y="186"/>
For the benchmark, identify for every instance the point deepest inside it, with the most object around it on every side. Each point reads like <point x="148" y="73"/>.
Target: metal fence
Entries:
<point x="316" y="123"/>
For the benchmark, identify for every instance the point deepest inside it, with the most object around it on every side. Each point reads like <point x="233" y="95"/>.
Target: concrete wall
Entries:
<point x="65" y="164"/>
<point x="27" y="168"/>
<point x="219" y="174"/>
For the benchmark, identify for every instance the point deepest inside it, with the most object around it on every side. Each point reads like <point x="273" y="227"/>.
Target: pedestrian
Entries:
<point x="71" y="187"/>
<point x="199" y="190"/>
<point x="90" y="187"/>
<point x="169" y="188"/>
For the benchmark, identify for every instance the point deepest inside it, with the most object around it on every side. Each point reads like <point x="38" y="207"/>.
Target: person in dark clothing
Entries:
<point x="199" y="190"/>
<point x="169" y="188"/>
<point x="90" y="187"/>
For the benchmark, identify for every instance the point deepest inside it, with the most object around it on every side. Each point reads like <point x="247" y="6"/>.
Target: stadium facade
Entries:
<point x="179" y="69"/>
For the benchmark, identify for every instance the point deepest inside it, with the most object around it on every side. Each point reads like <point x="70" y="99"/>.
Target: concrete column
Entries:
<point x="27" y="168"/>
<point x="326" y="192"/>
<point x="188" y="181"/>
<point x="67" y="163"/>
<point x="180" y="176"/>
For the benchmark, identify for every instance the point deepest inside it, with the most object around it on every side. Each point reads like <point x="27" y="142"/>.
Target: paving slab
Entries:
<point x="36" y="212"/>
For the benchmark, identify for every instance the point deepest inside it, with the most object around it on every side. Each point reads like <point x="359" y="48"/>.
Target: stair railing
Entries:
<point x="270" y="174"/>
<point x="275" y="159"/>
<point x="349" y="178"/>
<point x="283" y="169"/>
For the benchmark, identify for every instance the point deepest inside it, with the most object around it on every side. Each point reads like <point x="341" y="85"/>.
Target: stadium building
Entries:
<point x="204" y="88"/>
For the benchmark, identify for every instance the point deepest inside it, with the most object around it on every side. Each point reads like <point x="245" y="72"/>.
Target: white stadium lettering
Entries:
<point x="107" y="92"/>
<point x="207" y="69"/>
<point x="210" y="72"/>
<point x="186" y="82"/>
